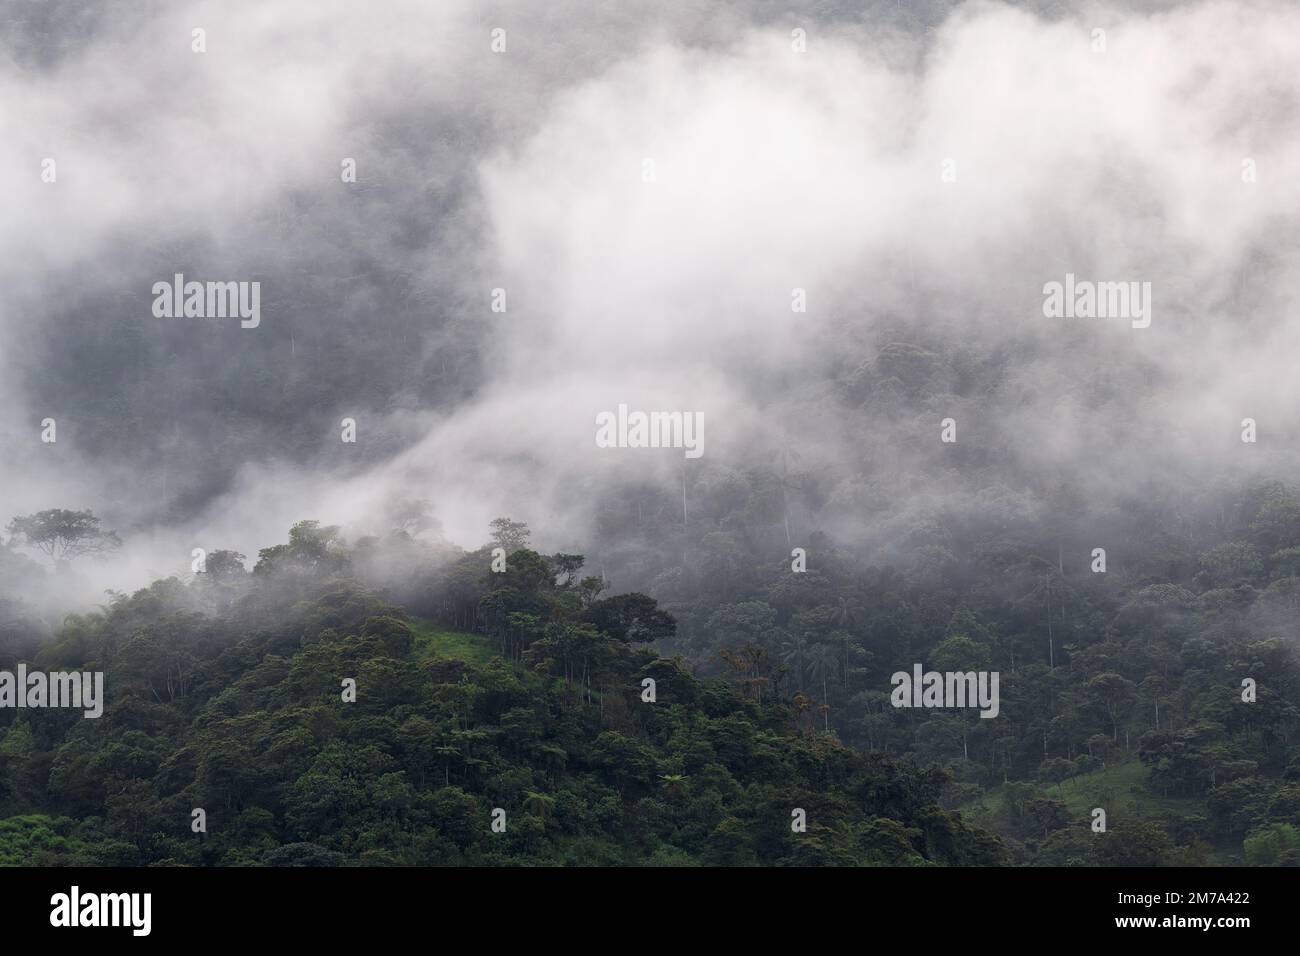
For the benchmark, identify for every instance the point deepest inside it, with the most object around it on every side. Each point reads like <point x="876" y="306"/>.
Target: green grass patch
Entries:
<point x="1120" y="788"/>
<point x="431" y="642"/>
<point x="1123" y="787"/>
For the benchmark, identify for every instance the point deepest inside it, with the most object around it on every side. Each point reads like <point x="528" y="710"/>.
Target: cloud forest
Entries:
<point x="356" y="508"/>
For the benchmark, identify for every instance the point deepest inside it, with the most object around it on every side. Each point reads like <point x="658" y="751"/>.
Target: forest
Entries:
<point x="225" y="696"/>
<point x="500" y="713"/>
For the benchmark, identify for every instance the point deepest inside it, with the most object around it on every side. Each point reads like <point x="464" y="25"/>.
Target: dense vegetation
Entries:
<point x="1120" y="690"/>
<point x="225" y="694"/>
<point x="522" y="690"/>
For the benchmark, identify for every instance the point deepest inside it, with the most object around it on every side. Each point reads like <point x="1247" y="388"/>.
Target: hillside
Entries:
<point x="241" y="713"/>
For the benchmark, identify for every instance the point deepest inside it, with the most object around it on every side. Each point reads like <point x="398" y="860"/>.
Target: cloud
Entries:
<point x="771" y="170"/>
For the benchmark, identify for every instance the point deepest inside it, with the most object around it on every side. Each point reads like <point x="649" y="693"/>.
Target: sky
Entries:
<point x="649" y="183"/>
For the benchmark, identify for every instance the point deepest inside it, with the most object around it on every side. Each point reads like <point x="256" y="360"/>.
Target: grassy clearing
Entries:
<point x="1121" y="788"/>
<point x="1124" y="787"/>
<point x="432" y="641"/>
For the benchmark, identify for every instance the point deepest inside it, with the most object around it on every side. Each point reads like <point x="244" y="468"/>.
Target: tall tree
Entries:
<point x="510" y="535"/>
<point x="64" y="535"/>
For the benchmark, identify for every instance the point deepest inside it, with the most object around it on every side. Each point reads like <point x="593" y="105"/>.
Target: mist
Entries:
<point x="649" y="186"/>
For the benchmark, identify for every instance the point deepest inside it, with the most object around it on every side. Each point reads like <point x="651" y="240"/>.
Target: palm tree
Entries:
<point x="784" y="481"/>
<point x="823" y="668"/>
<point x="796" y="653"/>
<point x="841" y="642"/>
<point x="1050" y="584"/>
<point x="538" y="804"/>
<point x="673" y="782"/>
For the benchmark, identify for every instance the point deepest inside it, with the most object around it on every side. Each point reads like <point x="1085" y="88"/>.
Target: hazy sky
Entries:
<point x="918" y="166"/>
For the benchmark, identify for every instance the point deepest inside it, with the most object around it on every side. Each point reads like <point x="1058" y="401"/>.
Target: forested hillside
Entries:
<point x="643" y="433"/>
<point x="1123" y="684"/>
<point x="523" y="690"/>
<point x="227" y="694"/>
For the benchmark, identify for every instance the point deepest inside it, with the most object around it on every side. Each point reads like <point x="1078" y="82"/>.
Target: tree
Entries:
<point x="1264" y="846"/>
<point x="1113" y="695"/>
<point x="312" y="549"/>
<point x="959" y="653"/>
<point x="1047" y="813"/>
<point x="744" y="622"/>
<point x="413" y="516"/>
<point x="510" y="535"/>
<point x="539" y="804"/>
<point x="568" y="565"/>
<point x="224" y="564"/>
<point x="795" y="654"/>
<point x="631" y="617"/>
<point x="1133" y="843"/>
<point x="1234" y="561"/>
<point x="822" y="663"/>
<point x="64" y="535"/>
